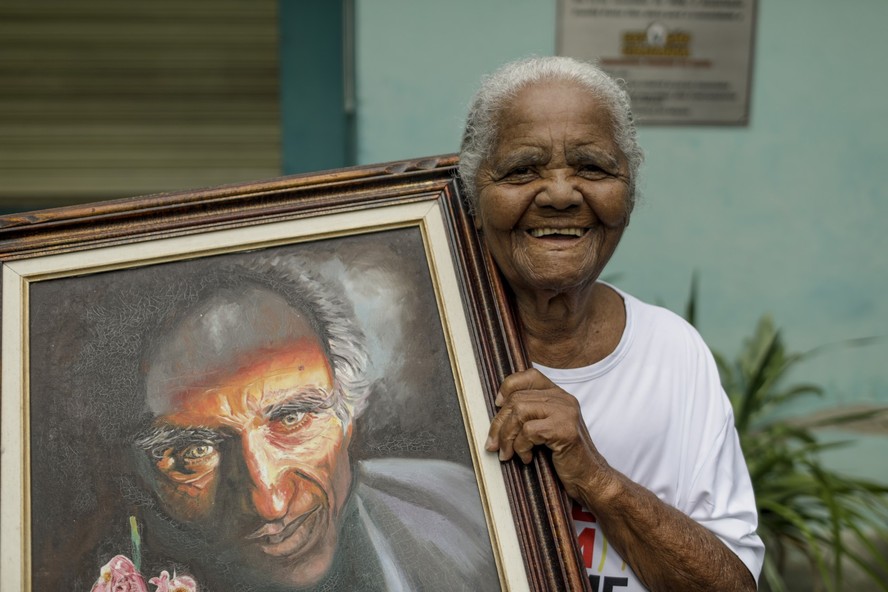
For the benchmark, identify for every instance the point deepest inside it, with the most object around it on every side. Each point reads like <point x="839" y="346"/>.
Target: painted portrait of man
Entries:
<point x="256" y="421"/>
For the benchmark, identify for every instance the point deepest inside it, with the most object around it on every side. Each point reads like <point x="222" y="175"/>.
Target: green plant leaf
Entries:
<point x="832" y="519"/>
<point x="803" y="528"/>
<point x="845" y="418"/>
<point x="772" y="575"/>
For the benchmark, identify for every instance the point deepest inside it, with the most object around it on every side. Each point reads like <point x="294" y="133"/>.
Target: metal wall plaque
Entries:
<point x="684" y="61"/>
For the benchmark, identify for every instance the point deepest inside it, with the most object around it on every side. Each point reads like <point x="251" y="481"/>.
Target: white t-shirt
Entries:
<point x="656" y="410"/>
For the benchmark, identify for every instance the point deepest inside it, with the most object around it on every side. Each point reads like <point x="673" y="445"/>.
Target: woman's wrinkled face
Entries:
<point x="553" y="198"/>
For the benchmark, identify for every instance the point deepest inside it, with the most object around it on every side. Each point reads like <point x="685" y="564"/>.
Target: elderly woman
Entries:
<point x="625" y="395"/>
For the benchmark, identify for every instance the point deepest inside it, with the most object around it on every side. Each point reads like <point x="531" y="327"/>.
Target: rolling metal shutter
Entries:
<point x="106" y="98"/>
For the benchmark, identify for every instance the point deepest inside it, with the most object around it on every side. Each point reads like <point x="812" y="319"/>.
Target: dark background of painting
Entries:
<point x="85" y="389"/>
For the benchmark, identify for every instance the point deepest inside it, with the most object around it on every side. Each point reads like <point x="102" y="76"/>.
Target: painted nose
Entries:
<point x="559" y="193"/>
<point x="273" y="484"/>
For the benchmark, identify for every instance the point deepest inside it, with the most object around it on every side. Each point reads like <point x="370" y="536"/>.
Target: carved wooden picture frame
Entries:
<point x="82" y="287"/>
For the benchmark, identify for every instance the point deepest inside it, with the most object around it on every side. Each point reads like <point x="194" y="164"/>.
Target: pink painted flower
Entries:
<point x="120" y="575"/>
<point x="176" y="584"/>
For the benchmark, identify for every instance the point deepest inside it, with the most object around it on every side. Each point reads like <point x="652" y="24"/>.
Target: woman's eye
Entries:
<point x="519" y="172"/>
<point x="590" y="169"/>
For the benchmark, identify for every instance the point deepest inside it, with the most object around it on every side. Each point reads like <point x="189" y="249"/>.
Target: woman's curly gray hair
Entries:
<point x="499" y="88"/>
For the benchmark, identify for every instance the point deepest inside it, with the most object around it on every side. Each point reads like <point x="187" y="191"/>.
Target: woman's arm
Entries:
<point x="665" y="548"/>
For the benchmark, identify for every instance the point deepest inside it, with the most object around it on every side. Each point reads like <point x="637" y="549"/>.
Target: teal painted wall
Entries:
<point x="418" y="64"/>
<point x="315" y="129"/>
<point x="785" y="216"/>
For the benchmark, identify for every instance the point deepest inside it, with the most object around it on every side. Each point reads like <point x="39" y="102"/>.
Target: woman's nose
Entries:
<point x="558" y="192"/>
<point x="273" y="483"/>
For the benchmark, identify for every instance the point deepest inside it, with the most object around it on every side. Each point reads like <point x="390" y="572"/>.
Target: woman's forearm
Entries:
<point x="667" y="550"/>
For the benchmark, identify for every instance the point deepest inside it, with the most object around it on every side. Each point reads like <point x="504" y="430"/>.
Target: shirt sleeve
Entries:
<point x="720" y="495"/>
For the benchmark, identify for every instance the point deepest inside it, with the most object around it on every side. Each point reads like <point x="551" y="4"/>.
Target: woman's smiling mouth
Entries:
<point x="556" y="232"/>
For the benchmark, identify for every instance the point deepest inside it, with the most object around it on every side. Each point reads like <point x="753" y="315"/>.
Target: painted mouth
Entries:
<point x="546" y="232"/>
<point x="271" y="535"/>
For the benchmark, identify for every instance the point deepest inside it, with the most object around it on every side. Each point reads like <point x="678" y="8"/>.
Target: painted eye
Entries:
<point x="292" y="419"/>
<point x="185" y="464"/>
<point x="198" y="451"/>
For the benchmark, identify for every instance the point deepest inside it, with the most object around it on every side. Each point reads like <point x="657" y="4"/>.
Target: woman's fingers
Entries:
<point x="504" y="428"/>
<point x="530" y="417"/>
<point x="527" y="438"/>
<point x="526" y="380"/>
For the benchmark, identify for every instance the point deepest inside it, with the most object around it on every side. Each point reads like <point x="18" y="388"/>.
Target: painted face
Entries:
<point x="252" y="455"/>
<point x="553" y="196"/>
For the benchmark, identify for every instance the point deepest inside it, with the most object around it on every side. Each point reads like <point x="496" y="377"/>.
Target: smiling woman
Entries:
<point x="625" y="395"/>
<point x="553" y="197"/>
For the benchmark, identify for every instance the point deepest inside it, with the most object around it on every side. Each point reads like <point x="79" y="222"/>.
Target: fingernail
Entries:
<point x="502" y="455"/>
<point x="489" y="444"/>
<point x="499" y="400"/>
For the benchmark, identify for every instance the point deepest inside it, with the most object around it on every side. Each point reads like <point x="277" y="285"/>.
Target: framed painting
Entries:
<point x="282" y="385"/>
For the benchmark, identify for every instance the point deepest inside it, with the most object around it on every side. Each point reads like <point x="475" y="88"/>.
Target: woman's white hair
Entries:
<point x="499" y="88"/>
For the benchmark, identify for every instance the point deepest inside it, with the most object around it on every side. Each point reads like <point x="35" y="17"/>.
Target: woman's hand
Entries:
<point x="534" y="411"/>
<point x="666" y="549"/>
